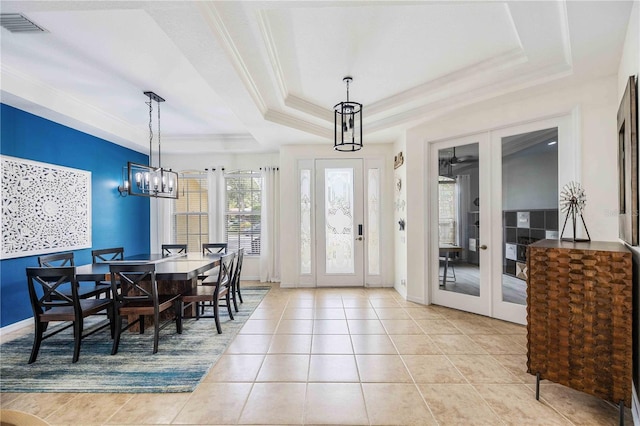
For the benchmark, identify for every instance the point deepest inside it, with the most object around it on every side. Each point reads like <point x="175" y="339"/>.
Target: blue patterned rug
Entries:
<point x="181" y="362"/>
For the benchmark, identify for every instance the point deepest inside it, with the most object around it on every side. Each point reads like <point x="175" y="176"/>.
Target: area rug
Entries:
<point x="181" y="362"/>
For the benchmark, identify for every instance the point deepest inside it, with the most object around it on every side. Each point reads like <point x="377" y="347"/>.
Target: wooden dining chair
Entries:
<point x="108" y="254"/>
<point x="86" y="290"/>
<point x="49" y="304"/>
<point x="212" y="291"/>
<point x="138" y="296"/>
<point x="173" y="249"/>
<point x="105" y="256"/>
<point x="235" y="280"/>
<point x="214" y="248"/>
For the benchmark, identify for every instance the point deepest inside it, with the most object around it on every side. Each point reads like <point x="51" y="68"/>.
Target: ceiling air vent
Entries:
<point x="16" y="23"/>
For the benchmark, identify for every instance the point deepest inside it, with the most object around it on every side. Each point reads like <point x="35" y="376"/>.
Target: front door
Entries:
<point x="339" y="223"/>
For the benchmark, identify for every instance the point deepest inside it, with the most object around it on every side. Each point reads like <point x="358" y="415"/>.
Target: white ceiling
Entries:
<point x="250" y="76"/>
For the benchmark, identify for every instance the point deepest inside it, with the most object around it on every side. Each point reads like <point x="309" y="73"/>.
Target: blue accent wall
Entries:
<point x="116" y="221"/>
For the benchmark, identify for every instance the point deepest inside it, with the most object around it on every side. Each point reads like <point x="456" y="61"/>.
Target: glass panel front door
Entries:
<point x="339" y="217"/>
<point x="339" y="223"/>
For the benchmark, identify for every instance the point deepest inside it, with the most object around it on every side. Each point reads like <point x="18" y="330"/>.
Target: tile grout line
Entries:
<point x="253" y="383"/>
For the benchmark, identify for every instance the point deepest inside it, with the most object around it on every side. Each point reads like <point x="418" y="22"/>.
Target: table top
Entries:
<point x="450" y="247"/>
<point x="174" y="268"/>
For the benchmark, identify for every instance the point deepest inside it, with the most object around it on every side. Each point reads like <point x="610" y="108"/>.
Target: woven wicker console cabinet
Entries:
<point x="579" y="316"/>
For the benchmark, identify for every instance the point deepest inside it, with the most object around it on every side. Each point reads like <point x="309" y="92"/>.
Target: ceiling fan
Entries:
<point x="454" y="160"/>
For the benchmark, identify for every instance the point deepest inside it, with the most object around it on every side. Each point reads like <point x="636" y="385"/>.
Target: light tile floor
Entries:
<point x="348" y="356"/>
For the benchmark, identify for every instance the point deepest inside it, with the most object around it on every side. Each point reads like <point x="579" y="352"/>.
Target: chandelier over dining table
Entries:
<point x="150" y="180"/>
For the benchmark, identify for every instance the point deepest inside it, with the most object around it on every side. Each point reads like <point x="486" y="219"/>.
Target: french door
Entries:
<point x="459" y="196"/>
<point x="339" y="222"/>
<point x="492" y="194"/>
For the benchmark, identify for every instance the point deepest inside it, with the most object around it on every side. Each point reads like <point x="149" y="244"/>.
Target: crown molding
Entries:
<point x="564" y="30"/>
<point x="297" y="123"/>
<point x="465" y="98"/>
<point x="35" y="96"/>
<point x="302" y="105"/>
<point x="272" y="52"/>
<point x="444" y="84"/>
<point x="216" y="23"/>
<point x="212" y="143"/>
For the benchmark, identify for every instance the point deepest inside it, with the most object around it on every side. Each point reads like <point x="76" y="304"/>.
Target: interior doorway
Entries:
<point x="493" y="194"/>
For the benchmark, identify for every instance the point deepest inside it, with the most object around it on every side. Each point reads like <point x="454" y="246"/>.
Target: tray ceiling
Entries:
<point x="250" y="76"/>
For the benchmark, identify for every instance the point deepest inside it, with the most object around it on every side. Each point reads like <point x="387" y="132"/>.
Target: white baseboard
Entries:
<point x="16" y="326"/>
<point x="416" y="300"/>
<point x="635" y="405"/>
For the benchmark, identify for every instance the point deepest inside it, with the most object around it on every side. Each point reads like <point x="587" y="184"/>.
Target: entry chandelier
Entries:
<point x="150" y="181"/>
<point x="348" y="124"/>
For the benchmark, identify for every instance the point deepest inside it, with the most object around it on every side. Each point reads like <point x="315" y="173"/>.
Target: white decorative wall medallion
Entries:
<point x="45" y="208"/>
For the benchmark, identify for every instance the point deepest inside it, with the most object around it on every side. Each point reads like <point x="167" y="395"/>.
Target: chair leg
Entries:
<point x="141" y="323"/>
<point x="77" y="335"/>
<point x="37" y="339"/>
<point x="228" y="300"/>
<point x="118" y="330"/>
<point x="112" y="321"/>
<point x="238" y="290"/>
<point x="233" y="296"/>
<point x="156" y="330"/>
<point x="178" y="308"/>
<point x="216" y="315"/>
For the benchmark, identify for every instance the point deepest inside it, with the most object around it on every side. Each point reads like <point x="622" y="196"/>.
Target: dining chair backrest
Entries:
<point x="56" y="260"/>
<point x="238" y="268"/>
<point x="225" y="271"/>
<point x="135" y="290"/>
<point x="127" y="283"/>
<point x="214" y="248"/>
<point x="59" y="260"/>
<point x="47" y="288"/>
<point x="173" y="249"/>
<point x="108" y="254"/>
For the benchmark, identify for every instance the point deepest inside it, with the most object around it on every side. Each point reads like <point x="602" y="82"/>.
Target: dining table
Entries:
<point x="175" y="274"/>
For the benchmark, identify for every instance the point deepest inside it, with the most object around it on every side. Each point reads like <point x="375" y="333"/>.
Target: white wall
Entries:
<point x="630" y="59"/>
<point x="400" y="212"/>
<point x="184" y="162"/>
<point x="289" y="188"/>
<point x="593" y="107"/>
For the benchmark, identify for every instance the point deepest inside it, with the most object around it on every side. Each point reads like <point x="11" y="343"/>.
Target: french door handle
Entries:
<point x="483" y="247"/>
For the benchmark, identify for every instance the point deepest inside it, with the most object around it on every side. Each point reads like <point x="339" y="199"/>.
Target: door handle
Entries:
<point x="483" y="247"/>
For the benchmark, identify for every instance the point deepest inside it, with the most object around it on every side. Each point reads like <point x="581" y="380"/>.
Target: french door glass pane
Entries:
<point x="459" y="219"/>
<point x="529" y="203"/>
<point x="339" y="220"/>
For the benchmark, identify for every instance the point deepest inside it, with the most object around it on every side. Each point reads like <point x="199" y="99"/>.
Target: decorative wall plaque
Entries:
<point x="45" y="208"/>
<point x="398" y="160"/>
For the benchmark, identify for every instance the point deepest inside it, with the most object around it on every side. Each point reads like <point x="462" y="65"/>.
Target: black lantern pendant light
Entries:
<point x="348" y="124"/>
<point x="150" y="180"/>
